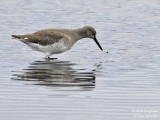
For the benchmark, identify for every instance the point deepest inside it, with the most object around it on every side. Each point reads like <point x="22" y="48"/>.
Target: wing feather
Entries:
<point x="43" y="37"/>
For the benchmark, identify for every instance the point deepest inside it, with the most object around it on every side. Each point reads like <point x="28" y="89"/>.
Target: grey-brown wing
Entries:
<point x="44" y="37"/>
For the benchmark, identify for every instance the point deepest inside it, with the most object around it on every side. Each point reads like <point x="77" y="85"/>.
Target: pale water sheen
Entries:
<point x="84" y="83"/>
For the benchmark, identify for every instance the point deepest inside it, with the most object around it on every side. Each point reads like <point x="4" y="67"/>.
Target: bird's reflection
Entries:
<point x="56" y="74"/>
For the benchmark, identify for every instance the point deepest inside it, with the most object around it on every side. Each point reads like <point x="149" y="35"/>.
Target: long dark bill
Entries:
<point x="95" y="39"/>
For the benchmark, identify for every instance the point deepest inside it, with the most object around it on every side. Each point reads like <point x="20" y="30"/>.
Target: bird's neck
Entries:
<point x="75" y="34"/>
<point x="80" y="34"/>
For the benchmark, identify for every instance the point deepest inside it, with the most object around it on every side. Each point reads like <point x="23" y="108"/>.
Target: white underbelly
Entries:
<point x="56" y="48"/>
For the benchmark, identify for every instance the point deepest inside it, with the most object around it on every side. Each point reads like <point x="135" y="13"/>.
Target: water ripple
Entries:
<point x="55" y="73"/>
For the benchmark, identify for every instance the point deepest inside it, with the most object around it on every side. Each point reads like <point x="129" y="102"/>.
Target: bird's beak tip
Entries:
<point x="98" y="43"/>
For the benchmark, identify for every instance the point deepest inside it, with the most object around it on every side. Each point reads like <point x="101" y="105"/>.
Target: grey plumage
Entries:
<point x="64" y="37"/>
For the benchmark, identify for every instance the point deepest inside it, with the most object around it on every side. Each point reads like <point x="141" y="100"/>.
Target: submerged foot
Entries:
<point x="48" y="58"/>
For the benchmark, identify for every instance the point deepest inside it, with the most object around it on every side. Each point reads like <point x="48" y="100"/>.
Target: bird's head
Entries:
<point x="91" y="33"/>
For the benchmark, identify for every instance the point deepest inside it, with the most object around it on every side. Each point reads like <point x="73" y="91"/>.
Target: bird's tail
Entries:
<point x="17" y="36"/>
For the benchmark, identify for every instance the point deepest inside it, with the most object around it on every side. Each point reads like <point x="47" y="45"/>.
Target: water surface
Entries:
<point x="120" y="83"/>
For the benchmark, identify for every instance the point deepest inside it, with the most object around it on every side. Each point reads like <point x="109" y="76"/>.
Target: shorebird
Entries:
<point x="55" y="41"/>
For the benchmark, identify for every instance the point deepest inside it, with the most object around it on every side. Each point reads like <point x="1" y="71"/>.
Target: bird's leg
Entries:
<point x="48" y="58"/>
<point x="52" y="58"/>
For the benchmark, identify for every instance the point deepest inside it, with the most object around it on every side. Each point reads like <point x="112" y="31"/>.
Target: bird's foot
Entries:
<point x="48" y="58"/>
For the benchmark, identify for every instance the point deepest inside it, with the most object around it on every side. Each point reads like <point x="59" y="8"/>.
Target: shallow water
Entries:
<point x="120" y="83"/>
